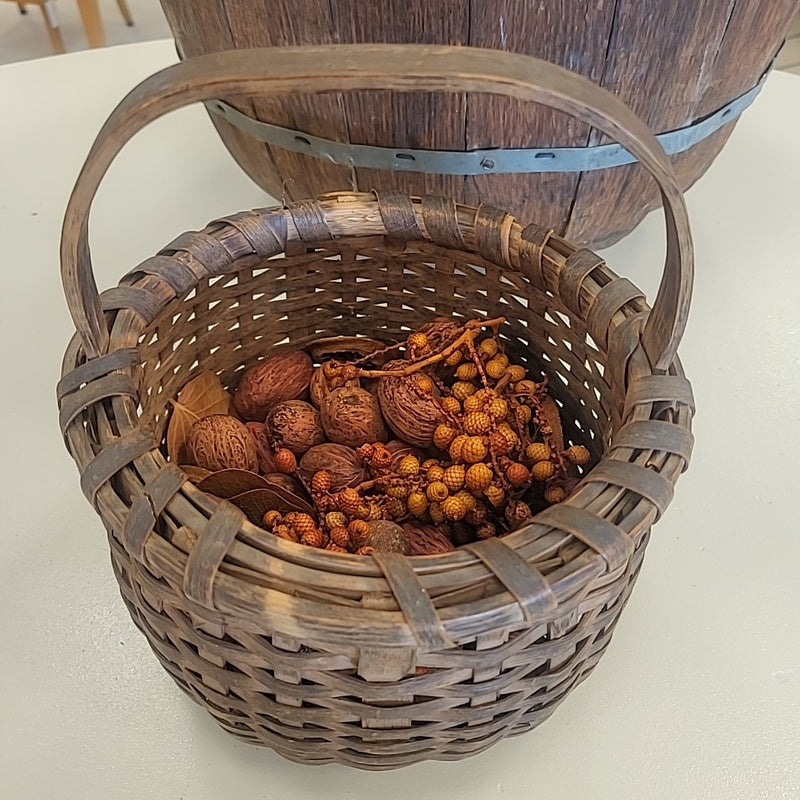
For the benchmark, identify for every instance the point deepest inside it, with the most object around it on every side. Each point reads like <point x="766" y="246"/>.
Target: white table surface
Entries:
<point x="698" y="695"/>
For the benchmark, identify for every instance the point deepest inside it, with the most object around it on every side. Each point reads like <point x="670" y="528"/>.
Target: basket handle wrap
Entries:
<point x="392" y="67"/>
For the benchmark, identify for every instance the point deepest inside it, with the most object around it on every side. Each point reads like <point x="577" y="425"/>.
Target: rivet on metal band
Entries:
<point x="479" y="162"/>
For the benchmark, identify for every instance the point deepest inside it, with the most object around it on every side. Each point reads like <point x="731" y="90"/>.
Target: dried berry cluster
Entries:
<point x="477" y="448"/>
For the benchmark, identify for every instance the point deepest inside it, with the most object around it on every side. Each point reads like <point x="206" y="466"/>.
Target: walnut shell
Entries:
<point x="400" y="450"/>
<point x="282" y="376"/>
<point x="321" y="386"/>
<point x="413" y="415"/>
<point x="352" y="416"/>
<point x="296" y="425"/>
<point x="388" y="537"/>
<point x="346" y="468"/>
<point x="425" y="540"/>
<point x="222" y="442"/>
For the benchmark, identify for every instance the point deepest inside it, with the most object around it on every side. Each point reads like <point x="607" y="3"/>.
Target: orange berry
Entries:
<point x="453" y="508"/>
<point x="537" y="451"/>
<point x="437" y="491"/>
<point x="542" y="470"/>
<point x="456" y="447"/>
<point x="517" y="474"/>
<point x="334" y="519"/>
<point x="417" y="503"/>
<point x="577" y="454"/>
<point x="453" y="477"/>
<point x="467" y="371"/>
<point x="443" y="435"/>
<point x="461" y="389"/>
<point x="451" y="405"/>
<point x="478" y="477"/>
<point x="477" y="423"/>
<point x="555" y="494"/>
<point x="285" y="461"/>
<point x="498" y="443"/>
<point x="271" y="518"/>
<point x="409" y="465"/>
<point x="495" y="494"/>
<point x="347" y="500"/>
<point x="473" y="450"/>
<point x="321" y="482"/>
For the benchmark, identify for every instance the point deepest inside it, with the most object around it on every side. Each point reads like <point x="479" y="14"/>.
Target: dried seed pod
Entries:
<point x="507" y="431"/>
<point x="348" y="500"/>
<point x="295" y="425"/>
<point x="495" y="494"/>
<point x="488" y="348"/>
<point x="517" y="474"/>
<point x="285" y="461"/>
<point x="517" y="514"/>
<point x="345" y="467"/>
<point x="314" y="538"/>
<point x="515" y="373"/>
<point x="374" y="511"/>
<point x="472" y="403"/>
<point x="454" y="359"/>
<point x="399" y="490"/>
<point x="474" y="450"/>
<point x="398" y="450"/>
<point x="477" y="423"/>
<point x="498" y="443"/>
<point x="469" y="501"/>
<point x="424" y="383"/>
<point x="409" y="465"/>
<point x="496" y="367"/>
<point x="436" y="513"/>
<point x="331" y="547"/>
<point x="437" y="491"/>
<point x="478" y="477"/>
<point x="388" y="537"/>
<point x="537" y="451"/>
<point x="451" y="405"/>
<point x="365" y="551"/>
<point x="340" y="536"/>
<point x="453" y="477"/>
<point x="266" y="458"/>
<point x="286" y="533"/>
<point x="352" y="417"/>
<point x="577" y="454"/>
<point x="221" y="442"/>
<point x="394" y="508"/>
<point x="359" y="532"/>
<point x="303" y="524"/>
<point x="522" y="414"/>
<point x="435" y="473"/>
<point x="322" y="383"/>
<point x="457" y="446"/>
<point x="411" y="414"/>
<point x="382" y="457"/>
<point x="425" y="540"/>
<point x="271" y="519"/>
<point x="478" y="515"/>
<point x="282" y="376"/>
<point x="462" y="390"/>
<point x="467" y="372"/>
<point x="362" y="511"/>
<point x="543" y="470"/>
<point x="321" y="482"/>
<point x="486" y="531"/>
<point x="497" y="409"/>
<point x="525" y="387"/>
<point x="418" y="342"/>
<point x="335" y="519"/>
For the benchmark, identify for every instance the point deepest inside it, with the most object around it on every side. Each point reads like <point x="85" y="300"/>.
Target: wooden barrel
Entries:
<point x="672" y="62"/>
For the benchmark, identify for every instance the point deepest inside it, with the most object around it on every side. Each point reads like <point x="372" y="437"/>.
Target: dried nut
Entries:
<point x="282" y="376"/>
<point x="266" y="459"/>
<point x="296" y="425"/>
<point x="577" y="454"/>
<point x="220" y="442"/>
<point x="345" y="467"/>
<point x="352" y="417"/>
<point x="285" y="461"/>
<point x="425" y="540"/>
<point x="411" y="414"/>
<point x="537" y="451"/>
<point x="287" y="482"/>
<point x="322" y="384"/>
<point x="388" y="537"/>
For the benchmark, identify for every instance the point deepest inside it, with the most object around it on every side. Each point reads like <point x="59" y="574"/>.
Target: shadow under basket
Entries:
<point x="384" y="660"/>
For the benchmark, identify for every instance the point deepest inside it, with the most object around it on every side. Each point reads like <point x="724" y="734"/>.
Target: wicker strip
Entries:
<point x="109" y="461"/>
<point x="604" y="538"/>
<point x="131" y="298"/>
<point x="530" y="589"/>
<point x="148" y="506"/>
<point x="91" y="370"/>
<point x="111" y="385"/>
<point x="608" y="301"/>
<point x="397" y="214"/>
<point x="309" y="221"/>
<point x="645" y="482"/>
<point x="171" y="270"/>
<point x="654" y="434"/>
<point x="492" y="229"/>
<point x="206" y="249"/>
<point x="266" y="232"/>
<point x="420" y="613"/>
<point x="533" y="240"/>
<point x="576" y="268"/>
<point x="440" y="216"/>
<point x="674" y="389"/>
<point x="623" y="341"/>
<point x="213" y="542"/>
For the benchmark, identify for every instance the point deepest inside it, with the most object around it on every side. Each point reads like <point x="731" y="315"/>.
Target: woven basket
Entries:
<point x="374" y="661"/>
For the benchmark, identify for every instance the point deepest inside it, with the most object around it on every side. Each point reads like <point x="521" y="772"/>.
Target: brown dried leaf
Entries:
<point x="229" y="482"/>
<point x="195" y="474"/>
<point x="201" y="397"/>
<point x="551" y="413"/>
<point x="257" y="502"/>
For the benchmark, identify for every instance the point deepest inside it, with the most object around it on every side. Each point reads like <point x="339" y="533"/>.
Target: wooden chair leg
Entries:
<point x="51" y="22"/>
<point x="125" y="11"/>
<point x="22" y="9"/>
<point x="92" y="23"/>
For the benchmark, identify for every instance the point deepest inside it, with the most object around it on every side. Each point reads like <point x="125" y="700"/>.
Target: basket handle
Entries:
<point x="399" y="67"/>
